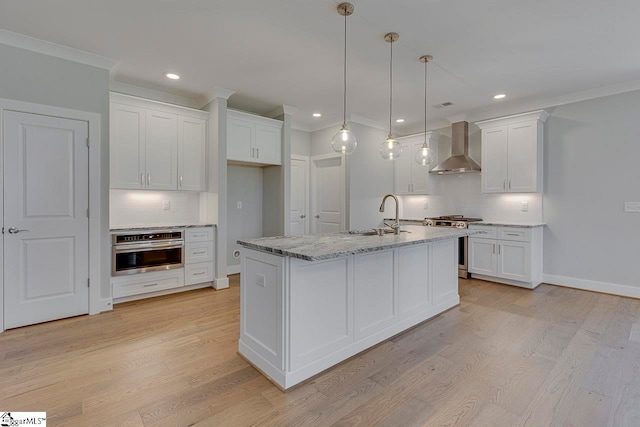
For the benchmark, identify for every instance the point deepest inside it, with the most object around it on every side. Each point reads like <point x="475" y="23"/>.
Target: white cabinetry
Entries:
<point x="300" y="317"/>
<point x="512" y="153"/>
<point x="156" y="146"/>
<point x="199" y="255"/>
<point x="410" y="177"/>
<point x="253" y="139"/>
<point x="511" y="255"/>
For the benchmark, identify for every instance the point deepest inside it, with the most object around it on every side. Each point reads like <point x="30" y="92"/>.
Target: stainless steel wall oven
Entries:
<point x="149" y="251"/>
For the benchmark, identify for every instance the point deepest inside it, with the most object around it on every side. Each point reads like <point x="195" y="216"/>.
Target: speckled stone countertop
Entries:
<point x="335" y="245"/>
<point x="119" y="229"/>
<point x="509" y="224"/>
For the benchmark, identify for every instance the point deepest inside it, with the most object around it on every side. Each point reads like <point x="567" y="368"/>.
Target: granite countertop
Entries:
<point x="335" y="245"/>
<point x="510" y="224"/>
<point x="120" y="228"/>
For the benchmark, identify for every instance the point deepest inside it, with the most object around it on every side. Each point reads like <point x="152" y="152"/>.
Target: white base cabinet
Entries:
<point x="510" y="255"/>
<point x="299" y="318"/>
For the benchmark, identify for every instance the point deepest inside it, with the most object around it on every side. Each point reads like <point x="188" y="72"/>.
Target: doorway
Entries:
<point x="328" y="193"/>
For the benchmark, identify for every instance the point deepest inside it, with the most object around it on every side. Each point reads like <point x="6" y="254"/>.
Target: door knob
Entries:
<point x="317" y="216"/>
<point x="303" y="216"/>
<point x="14" y="230"/>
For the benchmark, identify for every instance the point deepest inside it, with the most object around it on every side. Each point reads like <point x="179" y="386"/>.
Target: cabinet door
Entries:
<point x="240" y="136"/>
<point x="522" y="157"/>
<point x="402" y="167"/>
<point x="413" y="280"/>
<point x="419" y="174"/>
<point x="494" y="160"/>
<point x="161" y="151"/>
<point x="514" y="260"/>
<point x="127" y="141"/>
<point x="192" y="140"/>
<point x="268" y="145"/>
<point x="482" y="259"/>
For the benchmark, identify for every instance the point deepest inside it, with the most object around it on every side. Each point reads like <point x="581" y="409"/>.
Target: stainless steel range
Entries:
<point x="455" y="221"/>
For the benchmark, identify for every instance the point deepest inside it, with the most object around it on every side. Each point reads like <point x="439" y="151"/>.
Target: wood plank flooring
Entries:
<point x="505" y="357"/>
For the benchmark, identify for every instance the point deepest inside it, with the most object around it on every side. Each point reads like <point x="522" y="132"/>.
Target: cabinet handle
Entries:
<point x="512" y="234"/>
<point x="148" y="286"/>
<point x="253" y="152"/>
<point x="180" y="181"/>
<point x="141" y="179"/>
<point x="303" y="216"/>
<point x="200" y="252"/>
<point x="258" y="151"/>
<point x="317" y="217"/>
<point x="504" y="184"/>
<point x="499" y="245"/>
<point x="148" y="179"/>
<point x="509" y="183"/>
<point x="198" y="274"/>
<point x="494" y="247"/>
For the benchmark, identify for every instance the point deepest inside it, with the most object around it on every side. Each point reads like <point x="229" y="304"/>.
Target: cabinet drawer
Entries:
<point x="203" y="234"/>
<point x="198" y="252"/>
<point x="198" y="273"/>
<point x="147" y="282"/>
<point x="512" y="233"/>
<point x="486" y="232"/>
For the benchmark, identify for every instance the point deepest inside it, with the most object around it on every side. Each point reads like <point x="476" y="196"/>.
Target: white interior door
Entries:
<point x="299" y="196"/>
<point x="328" y="194"/>
<point x="46" y="228"/>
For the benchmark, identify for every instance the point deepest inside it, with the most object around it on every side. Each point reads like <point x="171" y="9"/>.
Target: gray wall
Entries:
<point x="33" y="77"/>
<point x="243" y="184"/>
<point x="591" y="168"/>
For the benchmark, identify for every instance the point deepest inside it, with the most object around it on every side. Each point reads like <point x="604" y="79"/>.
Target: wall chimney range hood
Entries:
<point x="459" y="161"/>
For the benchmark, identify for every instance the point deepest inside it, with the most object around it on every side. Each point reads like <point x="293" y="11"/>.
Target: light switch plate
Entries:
<point x="166" y="205"/>
<point x="426" y="206"/>
<point x="260" y="279"/>
<point x="632" y="207"/>
<point x="525" y="207"/>
<point x="239" y="204"/>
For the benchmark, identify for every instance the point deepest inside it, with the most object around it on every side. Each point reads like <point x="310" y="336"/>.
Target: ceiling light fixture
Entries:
<point x="317" y="115"/>
<point x="390" y="149"/>
<point x="499" y="96"/>
<point x="344" y="141"/>
<point x="424" y="155"/>
<point x="172" y="76"/>
<point x="399" y="120"/>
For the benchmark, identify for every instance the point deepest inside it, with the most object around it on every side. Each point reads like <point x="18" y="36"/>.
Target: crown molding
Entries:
<point x="540" y="115"/>
<point x="282" y="110"/>
<point x="362" y="120"/>
<point x="218" y="92"/>
<point x="44" y="47"/>
<point x="153" y="94"/>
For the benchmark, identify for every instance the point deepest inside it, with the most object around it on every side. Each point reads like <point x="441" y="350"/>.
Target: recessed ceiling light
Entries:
<point x="317" y="115"/>
<point x="399" y="120"/>
<point x="499" y="96"/>
<point x="172" y="76"/>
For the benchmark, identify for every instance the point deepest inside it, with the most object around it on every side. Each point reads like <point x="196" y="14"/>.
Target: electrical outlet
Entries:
<point x="525" y="207"/>
<point x="239" y="204"/>
<point x="426" y="206"/>
<point x="166" y="205"/>
<point x="260" y="279"/>
<point x="632" y="207"/>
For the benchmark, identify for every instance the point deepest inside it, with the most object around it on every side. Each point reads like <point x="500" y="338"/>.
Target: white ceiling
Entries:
<point x="290" y="51"/>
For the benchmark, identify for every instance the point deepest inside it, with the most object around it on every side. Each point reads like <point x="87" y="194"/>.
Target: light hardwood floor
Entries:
<point x="505" y="357"/>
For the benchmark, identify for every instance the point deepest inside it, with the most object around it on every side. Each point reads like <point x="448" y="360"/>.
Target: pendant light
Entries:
<point x="390" y="149"/>
<point x="344" y="141"/>
<point x="424" y="155"/>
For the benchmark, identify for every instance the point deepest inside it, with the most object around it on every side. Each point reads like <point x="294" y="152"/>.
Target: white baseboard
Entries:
<point x="592" y="285"/>
<point x="221" y="283"/>
<point x="233" y="269"/>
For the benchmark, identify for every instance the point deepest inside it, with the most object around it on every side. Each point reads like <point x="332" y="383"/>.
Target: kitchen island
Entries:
<point x="309" y="302"/>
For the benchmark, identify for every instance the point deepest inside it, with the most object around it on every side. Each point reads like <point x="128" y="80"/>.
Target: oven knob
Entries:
<point x="461" y="224"/>
<point x="428" y="223"/>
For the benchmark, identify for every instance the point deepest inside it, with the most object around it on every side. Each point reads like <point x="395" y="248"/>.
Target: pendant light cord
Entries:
<point x="390" y="86"/>
<point x="425" y="103"/>
<point x="344" y="106"/>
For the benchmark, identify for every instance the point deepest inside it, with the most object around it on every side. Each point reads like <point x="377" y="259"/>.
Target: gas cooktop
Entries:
<point x="457" y="221"/>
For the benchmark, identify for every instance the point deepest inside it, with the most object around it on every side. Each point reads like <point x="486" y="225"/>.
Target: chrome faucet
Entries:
<point x="396" y="225"/>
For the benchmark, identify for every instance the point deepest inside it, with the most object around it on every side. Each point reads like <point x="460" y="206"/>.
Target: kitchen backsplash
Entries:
<point x="142" y="207"/>
<point x="460" y="195"/>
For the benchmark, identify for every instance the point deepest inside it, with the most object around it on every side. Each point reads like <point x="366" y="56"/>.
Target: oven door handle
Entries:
<point x="125" y="249"/>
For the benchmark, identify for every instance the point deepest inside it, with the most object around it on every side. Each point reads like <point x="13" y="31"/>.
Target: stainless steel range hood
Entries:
<point x="459" y="162"/>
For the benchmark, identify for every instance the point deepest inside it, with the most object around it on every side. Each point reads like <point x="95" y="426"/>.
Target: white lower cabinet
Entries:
<point x="508" y="255"/>
<point x="126" y="286"/>
<point x="299" y="318"/>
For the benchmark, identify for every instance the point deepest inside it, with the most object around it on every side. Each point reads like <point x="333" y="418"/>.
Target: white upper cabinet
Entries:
<point x="156" y="146"/>
<point x="512" y="153"/>
<point x="253" y="139"/>
<point x="192" y="148"/>
<point x="410" y="177"/>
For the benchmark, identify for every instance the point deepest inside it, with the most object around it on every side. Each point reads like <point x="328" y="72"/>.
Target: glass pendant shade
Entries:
<point x="424" y="156"/>
<point x="344" y="141"/>
<point x="390" y="149"/>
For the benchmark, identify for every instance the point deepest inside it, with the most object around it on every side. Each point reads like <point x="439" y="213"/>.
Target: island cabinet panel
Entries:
<point x="321" y="302"/>
<point x="261" y="295"/>
<point x="444" y="275"/>
<point x="375" y="291"/>
<point x="413" y="280"/>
